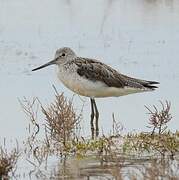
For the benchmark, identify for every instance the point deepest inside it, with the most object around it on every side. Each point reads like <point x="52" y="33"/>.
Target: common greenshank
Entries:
<point x="94" y="79"/>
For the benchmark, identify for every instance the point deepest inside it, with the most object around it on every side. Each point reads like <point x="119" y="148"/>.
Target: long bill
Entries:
<point x="45" y="65"/>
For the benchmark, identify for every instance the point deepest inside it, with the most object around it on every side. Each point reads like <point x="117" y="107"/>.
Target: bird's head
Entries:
<point x="62" y="55"/>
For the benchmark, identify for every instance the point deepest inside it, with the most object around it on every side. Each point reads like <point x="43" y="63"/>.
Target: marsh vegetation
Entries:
<point x="148" y="155"/>
<point x="138" y="38"/>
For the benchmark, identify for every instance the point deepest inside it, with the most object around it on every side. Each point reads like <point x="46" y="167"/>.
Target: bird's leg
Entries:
<point x="97" y="117"/>
<point x="92" y="117"/>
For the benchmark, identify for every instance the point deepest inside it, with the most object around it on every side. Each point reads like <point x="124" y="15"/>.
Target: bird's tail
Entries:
<point x="150" y="84"/>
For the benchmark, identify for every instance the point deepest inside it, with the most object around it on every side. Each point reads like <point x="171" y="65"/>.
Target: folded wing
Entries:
<point x="97" y="71"/>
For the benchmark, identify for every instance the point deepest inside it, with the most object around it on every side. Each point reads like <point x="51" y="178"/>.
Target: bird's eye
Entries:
<point x="63" y="54"/>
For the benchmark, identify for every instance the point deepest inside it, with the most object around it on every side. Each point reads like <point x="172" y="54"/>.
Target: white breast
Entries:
<point x="78" y="84"/>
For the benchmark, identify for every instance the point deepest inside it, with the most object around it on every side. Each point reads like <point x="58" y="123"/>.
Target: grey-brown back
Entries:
<point x="95" y="70"/>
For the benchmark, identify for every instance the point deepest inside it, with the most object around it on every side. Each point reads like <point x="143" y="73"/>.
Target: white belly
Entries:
<point x="88" y="88"/>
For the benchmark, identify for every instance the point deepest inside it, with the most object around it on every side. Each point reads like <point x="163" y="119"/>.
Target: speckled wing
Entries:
<point x="97" y="71"/>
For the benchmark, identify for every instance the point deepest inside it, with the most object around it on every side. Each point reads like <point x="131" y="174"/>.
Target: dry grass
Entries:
<point x="163" y="141"/>
<point x="61" y="119"/>
<point x="116" y="153"/>
<point x="159" y="118"/>
<point x="7" y="162"/>
<point x="52" y="135"/>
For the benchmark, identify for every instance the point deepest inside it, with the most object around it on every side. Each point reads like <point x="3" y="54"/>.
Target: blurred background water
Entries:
<point x="137" y="37"/>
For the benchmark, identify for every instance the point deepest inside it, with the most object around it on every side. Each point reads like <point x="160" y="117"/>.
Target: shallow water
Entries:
<point x="137" y="37"/>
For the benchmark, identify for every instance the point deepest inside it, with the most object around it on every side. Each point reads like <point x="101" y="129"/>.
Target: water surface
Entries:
<point x="137" y="37"/>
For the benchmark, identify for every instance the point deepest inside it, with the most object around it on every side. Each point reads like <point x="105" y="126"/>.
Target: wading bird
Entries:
<point x="94" y="79"/>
